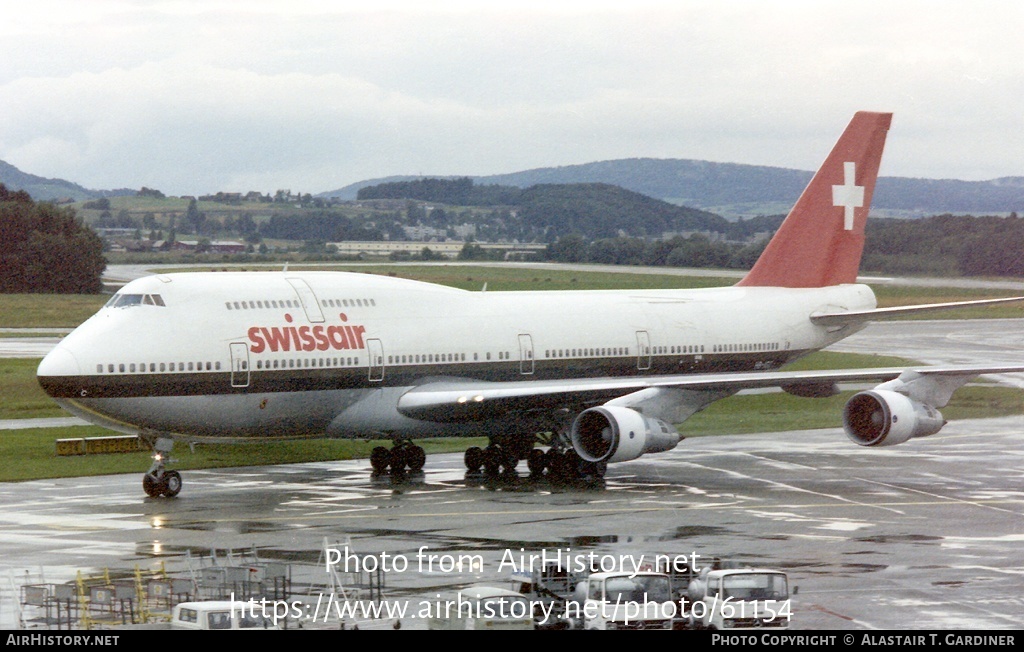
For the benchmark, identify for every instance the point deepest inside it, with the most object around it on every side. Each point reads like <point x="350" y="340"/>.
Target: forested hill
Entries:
<point x="43" y="189"/>
<point x="594" y="210"/>
<point x="733" y="189"/>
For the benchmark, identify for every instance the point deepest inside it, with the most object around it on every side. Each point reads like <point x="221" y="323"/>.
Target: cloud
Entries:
<point x="198" y="97"/>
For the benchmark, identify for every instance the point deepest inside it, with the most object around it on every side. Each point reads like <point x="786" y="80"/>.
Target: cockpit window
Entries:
<point x="120" y="300"/>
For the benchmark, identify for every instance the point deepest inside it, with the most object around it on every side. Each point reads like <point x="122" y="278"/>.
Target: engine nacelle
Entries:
<point x="613" y="433"/>
<point x="880" y="417"/>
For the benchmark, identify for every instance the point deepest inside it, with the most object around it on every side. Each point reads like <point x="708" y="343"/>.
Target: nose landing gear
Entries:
<point x="158" y="481"/>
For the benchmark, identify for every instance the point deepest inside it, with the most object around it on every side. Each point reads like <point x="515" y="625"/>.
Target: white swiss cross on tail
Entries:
<point x="814" y="248"/>
<point x="848" y="195"/>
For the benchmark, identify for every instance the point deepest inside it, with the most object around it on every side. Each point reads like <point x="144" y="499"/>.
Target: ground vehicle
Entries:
<point x="220" y="614"/>
<point x="482" y="607"/>
<point x="738" y="598"/>
<point x="623" y="600"/>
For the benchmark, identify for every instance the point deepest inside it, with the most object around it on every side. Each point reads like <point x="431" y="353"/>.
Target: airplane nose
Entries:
<point x="58" y="362"/>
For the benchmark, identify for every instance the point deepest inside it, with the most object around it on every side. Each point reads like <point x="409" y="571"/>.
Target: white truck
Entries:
<point x="221" y="614"/>
<point x="738" y="598"/>
<point x="623" y="600"/>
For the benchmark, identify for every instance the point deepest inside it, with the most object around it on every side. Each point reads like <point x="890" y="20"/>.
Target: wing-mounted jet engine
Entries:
<point x="619" y="434"/>
<point x="901" y="409"/>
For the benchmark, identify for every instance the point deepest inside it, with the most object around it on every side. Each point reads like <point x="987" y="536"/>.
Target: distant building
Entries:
<point x="449" y="249"/>
<point x="216" y="246"/>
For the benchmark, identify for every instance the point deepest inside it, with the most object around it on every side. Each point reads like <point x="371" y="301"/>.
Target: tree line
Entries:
<point x="46" y="249"/>
<point x="943" y="245"/>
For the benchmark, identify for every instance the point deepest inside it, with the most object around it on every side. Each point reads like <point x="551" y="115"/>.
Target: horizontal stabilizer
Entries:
<point x="860" y="316"/>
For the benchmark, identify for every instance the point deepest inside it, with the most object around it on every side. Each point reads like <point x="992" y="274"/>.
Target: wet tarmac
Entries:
<point x="926" y="535"/>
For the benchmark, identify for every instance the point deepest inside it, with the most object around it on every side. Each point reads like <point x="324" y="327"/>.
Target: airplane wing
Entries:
<point x="465" y="401"/>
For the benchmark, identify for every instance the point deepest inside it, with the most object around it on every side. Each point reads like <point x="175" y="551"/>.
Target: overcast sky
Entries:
<point x="195" y="97"/>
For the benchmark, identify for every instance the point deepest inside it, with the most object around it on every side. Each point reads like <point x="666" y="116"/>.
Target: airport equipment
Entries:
<point x="737" y="598"/>
<point x="623" y="600"/>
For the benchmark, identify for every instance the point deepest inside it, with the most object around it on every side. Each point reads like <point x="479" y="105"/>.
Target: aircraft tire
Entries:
<point x="151" y="485"/>
<point x="493" y="459"/>
<point x="380" y="459"/>
<point x="474" y="458"/>
<point x="416" y="458"/>
<point x="171" y="484"/>
<point x="536" y="461"/>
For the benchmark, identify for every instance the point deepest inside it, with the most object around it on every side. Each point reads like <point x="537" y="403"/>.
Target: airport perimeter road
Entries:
<point x="925" y="535"/>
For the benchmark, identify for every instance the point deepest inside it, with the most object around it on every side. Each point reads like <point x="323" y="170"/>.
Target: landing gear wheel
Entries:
<point x="536" y="461"/>
<point x="151" y="485"/>
<point x="474" y="458"/>
<point x="380" y="459"/>
<point x="171" y="484"/>
<point x="497" y="460"/>
<point x="591" y="472"/>
<point x="559" y="464"/>
<point x="416" y="458"/>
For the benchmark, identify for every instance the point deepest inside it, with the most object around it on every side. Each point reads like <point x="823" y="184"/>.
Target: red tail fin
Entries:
<point x="821" y="240"/>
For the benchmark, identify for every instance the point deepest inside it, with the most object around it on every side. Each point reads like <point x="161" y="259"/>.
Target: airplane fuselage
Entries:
<point x="311" y="354"/>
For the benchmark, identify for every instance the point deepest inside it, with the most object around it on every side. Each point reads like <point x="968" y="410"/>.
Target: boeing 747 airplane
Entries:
<point x="253" y="356"/>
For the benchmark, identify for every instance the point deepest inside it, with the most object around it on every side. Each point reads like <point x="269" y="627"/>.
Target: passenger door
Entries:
<point x="525" y="354"/>
<point x="375" y="351"/>
<point x="239" y="364"/>
<point x="643" y="353"/>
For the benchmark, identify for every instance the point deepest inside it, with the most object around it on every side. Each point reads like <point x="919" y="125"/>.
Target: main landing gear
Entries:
<point x="402" y="457"/>
<point x="558" y="464"/>
<point x="158" y="481"/>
